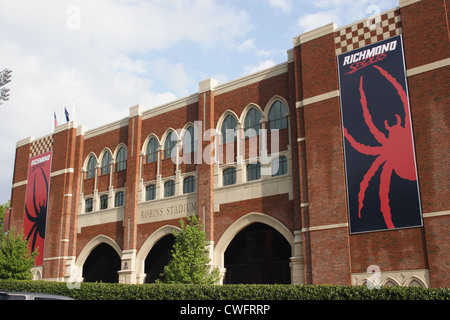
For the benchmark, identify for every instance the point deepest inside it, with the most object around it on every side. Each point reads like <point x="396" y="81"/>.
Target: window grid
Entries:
<point x="229" y="129"/>
<point x="252" y="123"/>
<point x="90" y="173"/>
<point x="152" y="151"/>
<point x="169" y="145"/>
<point x="88" y="205"/>
<point x="150" y="192"/>
<point x="119" y="199"/>
<point x="282" y="166"/>
<point x="106" y="161"/>
<point x="189" y="185"/>
<point x="277" y="116"/>
<point x="121" y="160"/>
<point x="189" y="144"/>
<point x="169" y="188"/>
<point x="253" y="171"/>
<point x="229" y="176"/>
<point x="104" y="202"/>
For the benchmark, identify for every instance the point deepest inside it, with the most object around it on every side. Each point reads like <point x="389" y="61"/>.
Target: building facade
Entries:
<point x="260" y="160"/>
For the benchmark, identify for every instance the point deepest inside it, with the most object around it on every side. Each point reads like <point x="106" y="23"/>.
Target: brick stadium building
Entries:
<point x="117" y="192"/>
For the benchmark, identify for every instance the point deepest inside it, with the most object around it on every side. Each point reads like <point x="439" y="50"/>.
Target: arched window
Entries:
<point x="279" y="166"/>
<point x="169" y="188"/>
<point x="88" y="205"/>
<point x="277" y="116"/>
<point x="229" y="176"/>
<point x="119" y="199"/>
<point x="252" y="123"/>
<point x="229" y="129"/>
<point x="121" y="163"/>
<point x="169" y="145"/>
<point x="106" y="160"/>
<point x="189" y="140"/>
<point x="90" y="173"/>
<point x="104" y="202"/>
<point x="189" y="185"/>
<point x="151" y="153"/>
<point x="150" y="192"/>
<point x="253" y="171"/>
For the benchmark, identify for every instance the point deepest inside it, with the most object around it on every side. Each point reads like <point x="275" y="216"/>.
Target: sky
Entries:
<point x="99" y="58"/>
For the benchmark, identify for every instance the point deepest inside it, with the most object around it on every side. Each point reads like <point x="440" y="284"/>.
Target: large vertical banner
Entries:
<point x="380" y="164"/>
<point x="36" y="203"/>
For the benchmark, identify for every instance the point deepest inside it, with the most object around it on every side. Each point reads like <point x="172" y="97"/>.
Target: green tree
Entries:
<point x="16" y="258"/>
<point x="190" y="260"/>
<point x="2" y="216"/>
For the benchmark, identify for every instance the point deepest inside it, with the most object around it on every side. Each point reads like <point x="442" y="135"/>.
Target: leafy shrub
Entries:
<point x="107" y="291"/>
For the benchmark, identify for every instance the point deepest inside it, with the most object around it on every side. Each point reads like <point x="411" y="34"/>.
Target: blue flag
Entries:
<point x="67" y="114"/>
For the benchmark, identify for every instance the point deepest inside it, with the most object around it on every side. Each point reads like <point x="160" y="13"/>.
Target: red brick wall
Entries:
<point x="279" y="207"/>
<point x="425" y="32"/>
<point x="426" y="40"/>
<point x="326" y="197"/>
<point x="318" y="67"/>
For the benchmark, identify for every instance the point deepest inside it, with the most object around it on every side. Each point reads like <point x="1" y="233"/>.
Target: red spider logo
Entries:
<point x="395" y="153"/>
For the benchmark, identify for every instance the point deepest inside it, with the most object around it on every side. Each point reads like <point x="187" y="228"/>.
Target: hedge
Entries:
<point x="107" y="291"/>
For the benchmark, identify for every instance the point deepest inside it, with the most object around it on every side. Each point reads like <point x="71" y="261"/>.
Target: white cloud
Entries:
<point x="173" y="76"/>
<point x="283" y="5"/>
<point x="259" y="67"/>
<point x="341" y="12"/>
<point x="248" y="46"/>
<point x="312" y="21"/>
<point x="104" y="56"/>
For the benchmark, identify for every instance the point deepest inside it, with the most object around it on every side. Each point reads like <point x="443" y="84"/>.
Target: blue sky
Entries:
<point x="105" y="56"/>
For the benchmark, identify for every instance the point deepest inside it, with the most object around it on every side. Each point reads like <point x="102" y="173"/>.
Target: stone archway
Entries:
<point x="102" y="265"/>
<point x="258" y="254"/>
<point x="77" y="270"/>
<point x="147" y="247"/>
<point x="254" y="217"/>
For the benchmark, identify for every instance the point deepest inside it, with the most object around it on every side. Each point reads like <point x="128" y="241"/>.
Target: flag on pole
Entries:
<point x="55" y="120"/>
<point x="67" y="114"/>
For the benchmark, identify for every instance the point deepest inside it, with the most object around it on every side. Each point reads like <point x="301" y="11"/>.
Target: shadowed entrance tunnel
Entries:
<point x="258" y="254"/>
<point x="102" y="265"/>
<point x="158" y="258"/>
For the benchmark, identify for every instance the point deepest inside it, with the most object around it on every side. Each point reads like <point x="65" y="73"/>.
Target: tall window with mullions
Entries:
<point x="88" y="205"/>
<point x="279" y="166"/>
<point x="169" y="188"/>
<point x="229" y="129"/>
<point x="121" y="163"/>
<point x="104" y="202"/>
<point x="169" y="145"/>
<point x="277" y="116"/>
<point x="150" y="192"/>
<point x="189" y="185"/>
<point x="229" y="176"/>
<point x="119" y="199"/>
<point x="252" y="123"/>
<point x="152" y="151"/>
<point x="253" y="171"/>
<point x="106" y="160"/>
<point x="90" y="172"/>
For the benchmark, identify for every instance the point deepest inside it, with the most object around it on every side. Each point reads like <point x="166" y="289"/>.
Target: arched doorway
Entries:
<point x="102" y="265"/>
<point x="258" y="254"/>
<point x="158" y="258"/>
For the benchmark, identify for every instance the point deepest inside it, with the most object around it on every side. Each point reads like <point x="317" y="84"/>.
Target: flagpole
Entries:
<point x="55" y="120"/>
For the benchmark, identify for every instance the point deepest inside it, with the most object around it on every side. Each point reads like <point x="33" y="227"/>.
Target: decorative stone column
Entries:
<point x="128" y="273"/>
<point x="296" y="264"/>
